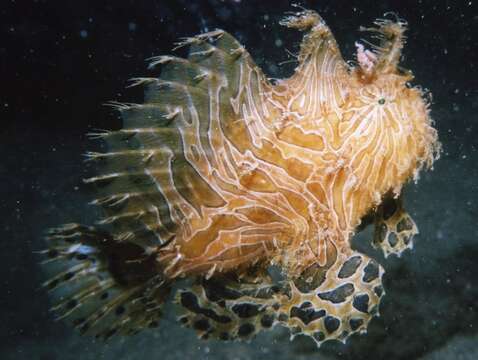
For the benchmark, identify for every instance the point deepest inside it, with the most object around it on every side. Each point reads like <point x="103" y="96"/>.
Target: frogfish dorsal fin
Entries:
<point x="170" y="163"/>
<point x="383" y="58"/>
<point x="319" y="84"/>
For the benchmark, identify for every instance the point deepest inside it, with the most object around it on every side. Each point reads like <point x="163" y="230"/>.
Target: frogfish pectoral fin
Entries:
<point x="394" y="227"/>
<point x="328" y="304"/>
<point x="337" y="303"/>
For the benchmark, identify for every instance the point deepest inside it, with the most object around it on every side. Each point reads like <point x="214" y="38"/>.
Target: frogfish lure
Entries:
<point x="237" y="197"/>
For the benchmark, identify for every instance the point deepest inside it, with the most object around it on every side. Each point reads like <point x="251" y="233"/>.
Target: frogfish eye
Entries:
<point x="381" y="101"/>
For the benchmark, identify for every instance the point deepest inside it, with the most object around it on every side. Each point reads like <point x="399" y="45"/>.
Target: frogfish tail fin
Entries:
<point x="101" y="285"/>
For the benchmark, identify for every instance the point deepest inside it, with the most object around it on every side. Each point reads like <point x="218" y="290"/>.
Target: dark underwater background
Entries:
<point x="61" y="60"/>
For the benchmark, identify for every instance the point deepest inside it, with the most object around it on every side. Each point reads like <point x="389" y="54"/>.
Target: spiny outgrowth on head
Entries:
<point x="302" y="20"/>
<point x="317" y="39"/>
<point x="385" y="56"/>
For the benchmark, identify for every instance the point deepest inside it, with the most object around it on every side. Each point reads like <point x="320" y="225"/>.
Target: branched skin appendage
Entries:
<point x="221" y="174"/>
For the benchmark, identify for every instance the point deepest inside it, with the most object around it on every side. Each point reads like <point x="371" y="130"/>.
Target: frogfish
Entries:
<point x="236" y="196"/>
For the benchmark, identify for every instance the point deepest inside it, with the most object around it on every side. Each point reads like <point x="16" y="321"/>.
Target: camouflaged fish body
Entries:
<point x="220" y="174"/>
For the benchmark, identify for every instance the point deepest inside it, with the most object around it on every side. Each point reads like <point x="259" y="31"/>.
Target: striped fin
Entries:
<point x="161" y="169"/>
<point x="103" y="287"/>
<point x="319" y="84"/>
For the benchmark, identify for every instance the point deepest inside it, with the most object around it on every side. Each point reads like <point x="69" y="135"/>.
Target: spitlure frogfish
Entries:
<point x="222" y="178"/>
